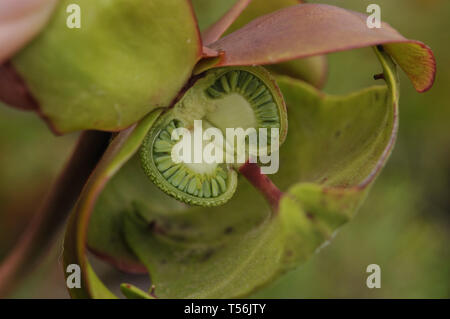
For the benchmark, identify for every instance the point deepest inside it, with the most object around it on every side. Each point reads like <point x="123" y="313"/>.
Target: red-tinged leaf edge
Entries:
<point x="391" y="78"/>
<point x="313" y="70"/>
<point x="14" y="93"/>
<point x="392" y="81"/>
<point x="44" y="225"/>
<point x="125" y="266"/>
<point x="120" y="150"/>
<point x="307" y="30"/>
<point x="419" y="64"/>
<point x="273" y="195"/>
<point x="215" y="31"/>
<point x="209" y="53"/>
<point x="14" y="90"/>
<point x="201" y="49"/>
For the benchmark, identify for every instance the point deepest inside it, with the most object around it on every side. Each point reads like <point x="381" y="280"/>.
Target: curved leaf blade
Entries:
<point x="20" y="21"/>
<point x="329" y="195"/>
<point x="214" y="268"/>
<point x="13" y="90"/>
<point x="312" y="70"/>
<point x="308" y="30"/>
<point x="124" y="145"/>
<point x="129" y="189"/>
<point x="116" y="68"/>
<point x="231" y="250"/>
<point x="133" y="292"/>
<point x="417" y="61"/>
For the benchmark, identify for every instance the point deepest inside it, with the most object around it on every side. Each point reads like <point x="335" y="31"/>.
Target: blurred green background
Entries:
<point x="404" y="225"/>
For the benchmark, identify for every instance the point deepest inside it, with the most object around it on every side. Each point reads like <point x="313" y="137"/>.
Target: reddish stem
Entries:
<point x="267" y="188"/>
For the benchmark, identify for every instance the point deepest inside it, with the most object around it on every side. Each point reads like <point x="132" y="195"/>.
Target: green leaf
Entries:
<point x="96" y="286"/>
<point x="128" y="58"/>
<point x="307" y="30"/>
<point x="199" y="262"/>
<point x="133" y="292"/>
<point x="335" y="148"/>
<point x="129" y="188"/>
<point x="123" y="146"/>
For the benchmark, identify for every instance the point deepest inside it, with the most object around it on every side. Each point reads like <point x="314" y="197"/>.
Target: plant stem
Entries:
<point x="261" y="182"/>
